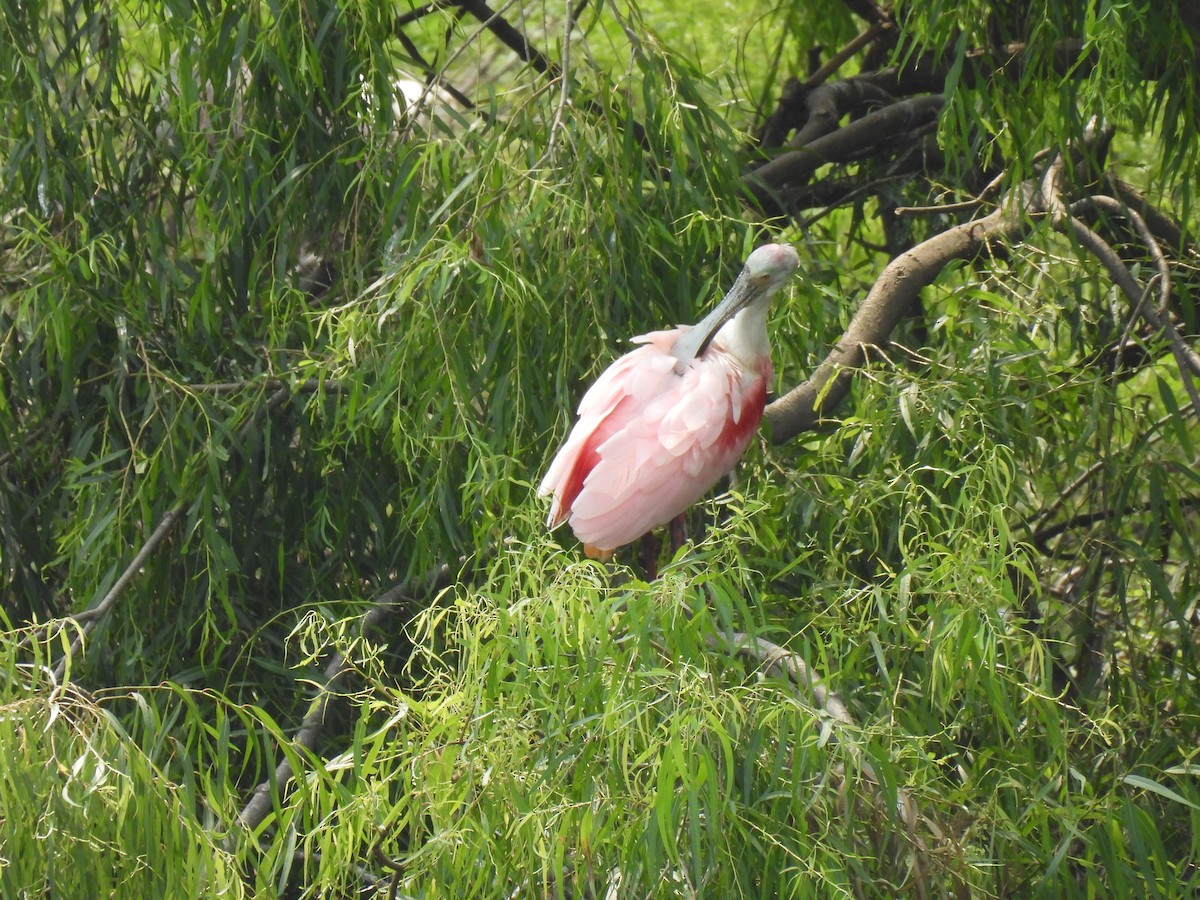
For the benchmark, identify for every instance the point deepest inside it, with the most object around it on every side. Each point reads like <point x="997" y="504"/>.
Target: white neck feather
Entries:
<point x="745" y="335"/>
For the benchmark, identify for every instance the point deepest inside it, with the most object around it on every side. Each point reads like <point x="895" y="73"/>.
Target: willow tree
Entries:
<point x="296" y="301"/>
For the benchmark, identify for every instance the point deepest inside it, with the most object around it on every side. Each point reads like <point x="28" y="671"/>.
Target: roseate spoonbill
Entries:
<point x="667" y="420"/>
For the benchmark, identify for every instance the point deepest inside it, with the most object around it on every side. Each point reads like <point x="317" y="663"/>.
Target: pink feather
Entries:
<point x="649" y="442"/>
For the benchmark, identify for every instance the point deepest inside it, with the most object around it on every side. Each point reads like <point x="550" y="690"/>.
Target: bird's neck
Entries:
<point x="745" y="335"/>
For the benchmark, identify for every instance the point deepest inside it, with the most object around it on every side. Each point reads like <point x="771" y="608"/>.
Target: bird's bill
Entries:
<point x="696" y="339"/>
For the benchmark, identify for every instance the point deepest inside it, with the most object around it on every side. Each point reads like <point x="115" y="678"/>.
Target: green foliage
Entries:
<point x="206" y="206"/>
<point x="88" y="809"/>
<point x="1130" y="64"/>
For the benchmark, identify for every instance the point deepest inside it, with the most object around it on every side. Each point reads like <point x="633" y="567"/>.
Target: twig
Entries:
<point x="1116" y="207"/>
<point x="1165" y="229"/>
<point x="493" y="21"/>
<point x="509" y="36"/>
<point x="856" y="43"/>
<point x="419" y="12"/>
<point x="963" y="206"/>
<point x="564" y="97"/>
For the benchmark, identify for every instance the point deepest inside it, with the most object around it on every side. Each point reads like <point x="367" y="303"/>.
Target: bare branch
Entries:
<point x="1165" y="229"/>
<point x="964" y="206"/>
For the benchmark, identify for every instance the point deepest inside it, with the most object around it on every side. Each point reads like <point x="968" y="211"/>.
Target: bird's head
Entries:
<point x="767" y="269"/>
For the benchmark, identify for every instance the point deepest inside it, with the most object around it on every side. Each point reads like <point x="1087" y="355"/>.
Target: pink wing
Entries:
<point x="649" y="443"/>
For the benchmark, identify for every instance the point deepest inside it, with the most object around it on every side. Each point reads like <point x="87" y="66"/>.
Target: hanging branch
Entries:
<point x="779" y="662"/>
<point x="87" y="619"/>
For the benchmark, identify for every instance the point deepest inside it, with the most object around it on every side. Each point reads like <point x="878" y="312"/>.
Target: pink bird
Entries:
<point x="667" y="420"/>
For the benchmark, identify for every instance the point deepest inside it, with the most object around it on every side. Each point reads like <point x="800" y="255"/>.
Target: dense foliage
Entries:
<point x="284" y="352"/>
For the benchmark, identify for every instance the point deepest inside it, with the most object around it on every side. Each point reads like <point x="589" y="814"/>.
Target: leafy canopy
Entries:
<point x="331" y="341"/>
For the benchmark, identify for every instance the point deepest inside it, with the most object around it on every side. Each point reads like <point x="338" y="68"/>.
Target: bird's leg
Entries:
<point x="678" y="532"/>
<point x="651" y="546"/>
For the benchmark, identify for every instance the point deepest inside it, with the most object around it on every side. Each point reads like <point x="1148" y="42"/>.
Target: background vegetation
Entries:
<point x="284" y="351"/>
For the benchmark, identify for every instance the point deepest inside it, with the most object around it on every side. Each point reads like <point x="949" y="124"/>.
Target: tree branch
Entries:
<point x="89" y="617"/>
<point x="779" y="662"/>
<point x="387" y="605"/>
<point x="509" y="36"/>
<point x="512" y="38"/>
<point x="900" y="283"/>
<point x="1185" y="357"/>
<point x="1041" y="538"/>
<point x="867" y="10"/>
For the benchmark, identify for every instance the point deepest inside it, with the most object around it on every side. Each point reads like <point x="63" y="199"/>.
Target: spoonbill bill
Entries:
<point x="664" y="422"/>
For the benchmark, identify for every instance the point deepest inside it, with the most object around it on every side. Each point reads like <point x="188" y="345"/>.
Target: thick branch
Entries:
<point x="772" y="182"/>
<point x="828" y="103"/>
<point x="892" y="294"/>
